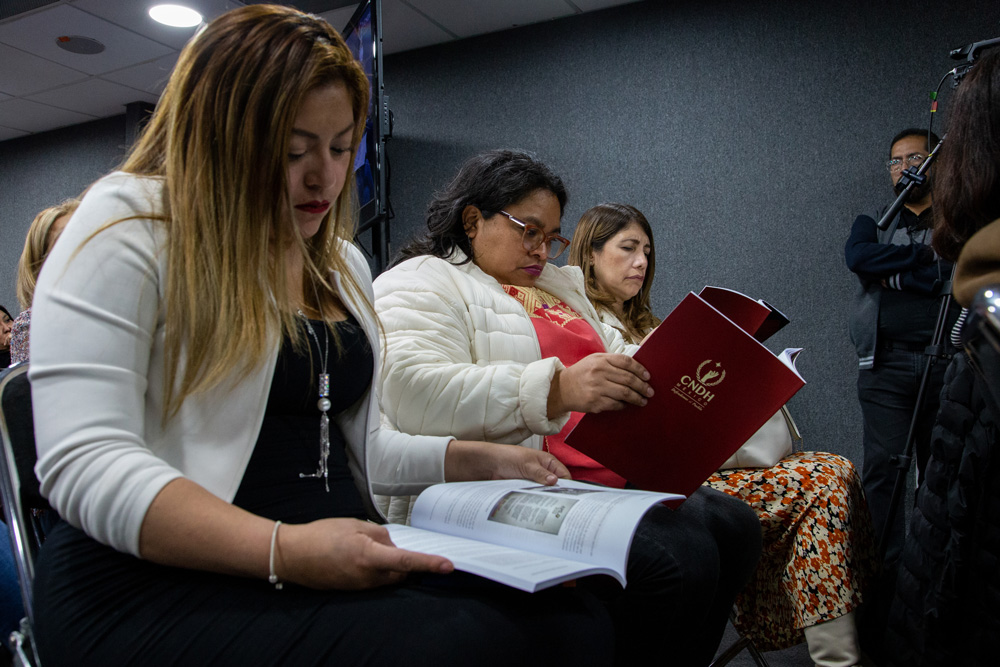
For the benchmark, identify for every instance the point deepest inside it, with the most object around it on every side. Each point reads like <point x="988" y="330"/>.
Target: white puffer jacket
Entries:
<point x="462" y="358"/>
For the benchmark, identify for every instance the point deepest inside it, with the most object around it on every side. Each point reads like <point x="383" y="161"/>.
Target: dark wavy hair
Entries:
<point x="489" y="181"/>
<point x="967" y="183"/>
<point x="596" y="227"/>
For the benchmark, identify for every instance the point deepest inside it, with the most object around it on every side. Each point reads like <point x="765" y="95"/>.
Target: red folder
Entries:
<point x="758" y="318"/>
<point x="715" y="387"/>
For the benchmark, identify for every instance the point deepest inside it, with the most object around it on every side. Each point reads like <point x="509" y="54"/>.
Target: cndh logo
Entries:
<point x="704" y="378"/>
<point x="712" y="376"/>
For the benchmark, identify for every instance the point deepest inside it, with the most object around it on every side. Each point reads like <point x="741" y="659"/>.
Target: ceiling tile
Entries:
<point x="403" y="28"/>
<point x="406" y="28"/>
<point x="96" y="97"/>
<point x="23" y="73"/>
<point x="10" y="133"/>
<point x="37" y="33"/>
<point x="134" y="16"/>
<point x="338" y="18"/>
<point x="141" y="54"/>
<point x="591" y="5"/>
<point x="466" y="19"/>
<point x="30" y="116"/>
<point x="150" y="77"/>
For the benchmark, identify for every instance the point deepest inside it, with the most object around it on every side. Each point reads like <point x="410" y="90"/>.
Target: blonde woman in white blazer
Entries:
<point x="182" y="330"/>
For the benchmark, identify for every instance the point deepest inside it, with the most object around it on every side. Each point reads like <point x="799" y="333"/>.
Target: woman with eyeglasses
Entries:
<point x="484" y="336"/>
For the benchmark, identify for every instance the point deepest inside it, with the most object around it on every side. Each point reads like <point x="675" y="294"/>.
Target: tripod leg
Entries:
<point x="919" y="416"/>
<point x="892" y="532"/>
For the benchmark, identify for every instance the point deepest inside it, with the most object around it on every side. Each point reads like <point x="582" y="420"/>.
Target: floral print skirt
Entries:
<point x="819" y="547"/>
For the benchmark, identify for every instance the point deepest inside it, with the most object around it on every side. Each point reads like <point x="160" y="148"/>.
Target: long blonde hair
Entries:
<point x="596" y="227"/>
<point x="219" y="139"/>
<point x="36" y="248"/>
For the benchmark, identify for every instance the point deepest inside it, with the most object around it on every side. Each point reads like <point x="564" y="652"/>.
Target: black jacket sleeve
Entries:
<point x="910" y="267"/>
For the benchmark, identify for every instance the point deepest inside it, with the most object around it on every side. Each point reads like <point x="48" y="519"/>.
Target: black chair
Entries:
<point x="737" y="646"/>
<point x="22" y="500"/>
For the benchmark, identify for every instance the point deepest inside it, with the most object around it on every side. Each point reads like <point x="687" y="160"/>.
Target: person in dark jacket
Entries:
<point x="891" y="324"/>
<point x="947" y="605"/>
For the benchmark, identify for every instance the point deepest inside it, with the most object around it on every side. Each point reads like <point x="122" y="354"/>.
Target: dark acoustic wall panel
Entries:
<point x="750" y="133"/>
<point x="40" y="170"/>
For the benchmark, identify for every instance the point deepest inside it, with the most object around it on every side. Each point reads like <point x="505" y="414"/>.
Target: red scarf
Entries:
<point x="563" y="333"/>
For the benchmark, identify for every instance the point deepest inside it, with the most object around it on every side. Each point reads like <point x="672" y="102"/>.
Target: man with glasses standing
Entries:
<point x="891" y="325"/>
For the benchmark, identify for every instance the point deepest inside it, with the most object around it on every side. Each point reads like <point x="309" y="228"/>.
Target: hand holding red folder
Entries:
<point x="714" y="384"/>
<point x="597" y="383"/>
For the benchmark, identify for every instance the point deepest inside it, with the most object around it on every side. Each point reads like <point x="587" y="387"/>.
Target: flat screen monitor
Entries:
<point x="363" y="35"/>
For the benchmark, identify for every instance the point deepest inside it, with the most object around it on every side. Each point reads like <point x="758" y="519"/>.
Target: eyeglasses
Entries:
<point x="534" y="236"/>
<point x="912" y="160"/>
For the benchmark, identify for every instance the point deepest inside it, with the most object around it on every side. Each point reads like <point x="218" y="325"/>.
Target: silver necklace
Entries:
<point x="323" y="404"/>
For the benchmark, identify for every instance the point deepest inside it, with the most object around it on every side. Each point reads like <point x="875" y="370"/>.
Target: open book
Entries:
<point x="715" y="385"/>
<point x="527" y="535"/>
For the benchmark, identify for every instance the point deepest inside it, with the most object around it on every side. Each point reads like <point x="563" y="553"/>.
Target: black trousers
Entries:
<point x="888" y="395"/>
<point x="95" y="605"/>
<point x="685" y="569"/>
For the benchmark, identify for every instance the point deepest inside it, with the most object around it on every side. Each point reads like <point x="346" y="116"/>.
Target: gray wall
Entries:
<point x="40" y="170"/>
<point x="750" y="134"/>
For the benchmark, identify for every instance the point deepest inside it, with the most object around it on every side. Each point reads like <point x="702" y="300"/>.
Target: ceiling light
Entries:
<point x="175" y="16"/>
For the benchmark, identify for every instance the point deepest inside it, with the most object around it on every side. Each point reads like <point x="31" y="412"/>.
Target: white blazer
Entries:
<point x="97" y="369"/>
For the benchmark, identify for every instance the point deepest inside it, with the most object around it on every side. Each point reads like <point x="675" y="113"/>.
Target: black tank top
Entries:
<point x="288" y="443"/>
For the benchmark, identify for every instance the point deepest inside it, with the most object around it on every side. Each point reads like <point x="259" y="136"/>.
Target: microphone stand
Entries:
<point x="878" y="614"/>
<point x="902" y="462"/>
<point x="911" y="178"/>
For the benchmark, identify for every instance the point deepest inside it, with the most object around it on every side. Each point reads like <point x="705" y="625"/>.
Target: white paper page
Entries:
<point x="572" y="520"/>
<point x="788" y="357"/>
<point x="513" y="567"/>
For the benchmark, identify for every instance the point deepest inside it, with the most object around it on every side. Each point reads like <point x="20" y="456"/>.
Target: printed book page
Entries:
<point x="582" y="523"/>
<point x="789" y="356"/>
<point x="516" y="568"/>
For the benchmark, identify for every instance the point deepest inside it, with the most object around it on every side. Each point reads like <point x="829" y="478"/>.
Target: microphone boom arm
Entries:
<point x="910" y="178"/>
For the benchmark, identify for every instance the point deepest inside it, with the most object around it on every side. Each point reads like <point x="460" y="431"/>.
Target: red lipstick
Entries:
<point x="314" y="206"/>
